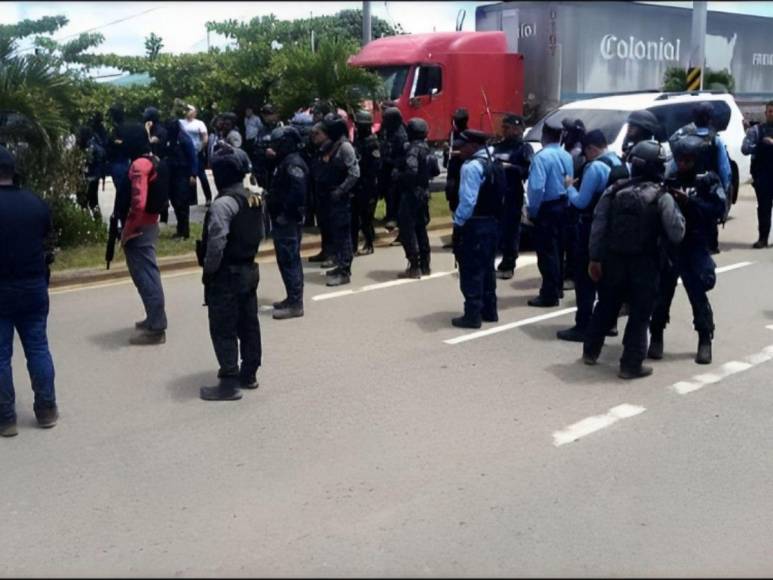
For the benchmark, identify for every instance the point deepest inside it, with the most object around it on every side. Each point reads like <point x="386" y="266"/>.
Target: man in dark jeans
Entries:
<point x="25" y="230"/>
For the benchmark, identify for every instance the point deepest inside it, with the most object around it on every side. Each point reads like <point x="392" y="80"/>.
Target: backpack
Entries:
<point x="158" y="188"/>
<point x="633" y="218"/>
<point x="616" y="172"/>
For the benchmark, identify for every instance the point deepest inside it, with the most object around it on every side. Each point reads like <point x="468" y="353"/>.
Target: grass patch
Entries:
<point x="93" y="255"/>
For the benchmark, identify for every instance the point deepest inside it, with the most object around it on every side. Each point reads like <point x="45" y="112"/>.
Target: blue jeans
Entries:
<point x="24" y="307"/>
<point x="141" y="260"/>
<point x="287" y="245"/>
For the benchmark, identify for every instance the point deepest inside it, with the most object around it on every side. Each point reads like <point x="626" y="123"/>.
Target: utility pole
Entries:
<point x="367" y="32"/>
<point x="698" y="44"/>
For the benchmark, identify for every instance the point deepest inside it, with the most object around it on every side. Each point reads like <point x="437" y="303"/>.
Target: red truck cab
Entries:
<point x="431" y="75"/>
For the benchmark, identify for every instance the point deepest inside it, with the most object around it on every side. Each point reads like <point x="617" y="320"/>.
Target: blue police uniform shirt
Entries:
<point x="470" y="180"/>
<point x="546" y="179"/>
<point x="594" y="180"/>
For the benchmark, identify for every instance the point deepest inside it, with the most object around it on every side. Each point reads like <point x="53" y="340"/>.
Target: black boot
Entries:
<point x="704" y="348"/>
<point x="320" y="257"/>
<point x="424" y="265"/>
<point x="655" y="351"/>
<point x="412" y="271"/>
<point x="226" y="390"/>
<point x="629" y="373"/>
<point x="759" y="244"/>
<point x="466" y="322"/>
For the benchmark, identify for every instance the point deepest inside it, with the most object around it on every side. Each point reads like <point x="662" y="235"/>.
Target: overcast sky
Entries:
<point x="182" y="24"/>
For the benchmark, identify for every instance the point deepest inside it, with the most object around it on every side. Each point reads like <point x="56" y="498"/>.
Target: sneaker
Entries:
<point x="505" y="274"/>
<point x="337" y="277"/>
<point x="220" y="393"/>
<point x="288" y="311"/>
<point x="628" y="373"/>
<point x="147" y="337"/>
<point x="464" y="322"/>
<point x="8" y="429"/>
<point x="573" y="334"/>
<point x="540" y="302"/>
<point x="47" y="416"/>
<point x="318" y="257"/>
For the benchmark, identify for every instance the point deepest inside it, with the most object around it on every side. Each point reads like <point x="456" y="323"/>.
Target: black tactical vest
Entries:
<point x="491" y="196"/>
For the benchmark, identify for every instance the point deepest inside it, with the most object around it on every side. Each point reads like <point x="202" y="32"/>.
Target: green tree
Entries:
<point x="675" y="80"/>
<point x="153" y="45"/>
<point x="303" y="75"/>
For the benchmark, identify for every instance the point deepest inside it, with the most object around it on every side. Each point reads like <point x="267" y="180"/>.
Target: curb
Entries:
<point x="188" y="261"/>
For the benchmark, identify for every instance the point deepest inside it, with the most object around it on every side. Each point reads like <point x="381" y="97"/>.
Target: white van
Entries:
<point x="674" y="110"/>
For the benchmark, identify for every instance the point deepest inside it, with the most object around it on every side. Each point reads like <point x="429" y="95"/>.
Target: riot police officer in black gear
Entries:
<point x="759" y="144"/>
<point x="625" y="255"/>
<point x="515" y="155"/>
<point x="366" y="146"/>
<point x="642" y="126"/>
<point x="451" y="159"/>
<point x="285" y="206"/>
<point x="233" y="229"/>
<point x="393" y="139"/>
<point x="263" y="166"/>
<point x="701" y="199"/>
<point x="418" y="169"/>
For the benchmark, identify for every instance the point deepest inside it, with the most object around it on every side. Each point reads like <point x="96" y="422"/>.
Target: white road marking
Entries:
<point x="511" y="325"/>
<point x="596" y="423"/>
<point x="522" y="262"/>
<point x="87" y="286"/>
<point x="727" y="369"/>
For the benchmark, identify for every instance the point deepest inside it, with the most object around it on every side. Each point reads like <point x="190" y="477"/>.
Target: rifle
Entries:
<point x="114" y="233"/>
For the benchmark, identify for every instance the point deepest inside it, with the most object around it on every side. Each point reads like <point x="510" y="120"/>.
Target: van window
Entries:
<point x="675" y="116"/>
<point x="608" y="122"/>
<point x="429" y="80"/>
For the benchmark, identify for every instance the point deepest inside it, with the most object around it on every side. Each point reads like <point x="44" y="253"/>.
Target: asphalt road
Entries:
<point x="374" y="447"/>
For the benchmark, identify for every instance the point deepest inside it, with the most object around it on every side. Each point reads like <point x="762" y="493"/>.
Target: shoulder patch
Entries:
<point x="376" y="154"/>
<point x="296" y="172"/>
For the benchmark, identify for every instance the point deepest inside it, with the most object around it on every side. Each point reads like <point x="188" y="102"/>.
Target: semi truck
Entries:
<point x="581" y="50"/>
<point x="431" y="75"/>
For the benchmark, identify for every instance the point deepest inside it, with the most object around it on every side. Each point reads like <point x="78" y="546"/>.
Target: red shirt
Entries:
<point x="141" y="173"/>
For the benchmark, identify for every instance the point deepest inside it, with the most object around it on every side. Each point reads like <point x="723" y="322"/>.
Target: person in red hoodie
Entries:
<point x="139" y="238"/>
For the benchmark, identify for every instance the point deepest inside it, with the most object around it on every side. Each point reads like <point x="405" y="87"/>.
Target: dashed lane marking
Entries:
<point x="548" y="316"/>
<point x="522" y="262"/>
<point x="596" y="423"/>
<point x="726" y="370"/>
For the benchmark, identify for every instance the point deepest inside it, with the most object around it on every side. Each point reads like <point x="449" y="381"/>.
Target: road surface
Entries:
<point x="384" y="442"/>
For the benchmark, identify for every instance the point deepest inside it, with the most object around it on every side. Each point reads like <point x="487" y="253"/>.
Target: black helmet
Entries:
<point x="363" y="118"/>
<point x="647" y="159"/>
<point x="335" y="127"/>
<point x="229" y="165"/>
<point x="645" y="120"/>
<point x="417" y="128"/>
<point x="686" y="145"/>
<point x="136" y="142"/>
<point x="392" y="118"/>
<point x="703" y="113"/>
<point x="285" y="140"/>
<point x="151" y="114"/>
<point x="573" y="126"/>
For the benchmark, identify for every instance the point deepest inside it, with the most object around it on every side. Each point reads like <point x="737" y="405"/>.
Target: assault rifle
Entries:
<point x="114" y="233"/>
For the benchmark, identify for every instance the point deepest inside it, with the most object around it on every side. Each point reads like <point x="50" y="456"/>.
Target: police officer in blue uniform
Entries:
<point x="481" y="200"/>
<point x="593" y="181"/>
<point x="714" y="157"/>
<point x="546" y="206"/>
<point x="701" y="198"/>
<point x="515" y="154"/>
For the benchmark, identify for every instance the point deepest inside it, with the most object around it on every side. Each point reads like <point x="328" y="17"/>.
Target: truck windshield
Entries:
<point x="607" y="121"/>
<point x="394" y="78"/>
